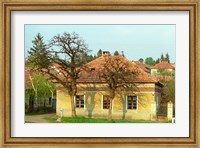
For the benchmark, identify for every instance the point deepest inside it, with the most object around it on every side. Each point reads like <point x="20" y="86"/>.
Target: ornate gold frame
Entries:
<point x="157" y="5"/>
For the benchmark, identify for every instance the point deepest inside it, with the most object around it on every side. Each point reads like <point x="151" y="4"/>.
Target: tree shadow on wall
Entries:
<point x="91" y="91"/>
<point x="90" y="103"/>
<point x="122" y="98"/>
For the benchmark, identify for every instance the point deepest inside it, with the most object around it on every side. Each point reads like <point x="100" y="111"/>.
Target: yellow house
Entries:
<point x="138" y="102"/>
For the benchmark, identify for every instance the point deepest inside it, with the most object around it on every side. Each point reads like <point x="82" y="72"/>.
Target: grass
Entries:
<point x="94" y="120"/>
<point x="51" y="119"/>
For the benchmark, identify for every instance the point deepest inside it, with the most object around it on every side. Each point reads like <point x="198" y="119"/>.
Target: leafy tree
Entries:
<point x="123" y="54"/>
<point x="168" y="80"/>
<point x="118" y="73"/>
<point x="157" y="61"/>
<point x="149" y="61"/>
<point x="168" y="91"/>
<point x="66" y="57"/>
<point x="141" y="60"/>
<point x="86" y="58"/>
<point x="38" y="90"/>
<point x="162" y="57"/>
<point x="164" y="72"/>
<point x="38" y="54"/>
<point x="38" y="57"/>
<point x="167" y="58"/>
<point x="99" y="53"/>
<point x="171" y="90"/>
<point x="30" y="95"/>
<point x="45" y="88"/>
<point x="94" y="57"/>
<point x="116" y="53"/>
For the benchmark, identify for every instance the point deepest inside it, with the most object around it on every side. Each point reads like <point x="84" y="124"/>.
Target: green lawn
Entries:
<point x="51" y="119"/>
<point x="94" y="120"/>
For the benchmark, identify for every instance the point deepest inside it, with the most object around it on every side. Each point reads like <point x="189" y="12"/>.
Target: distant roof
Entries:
<point x="27" y="76"/>
<point x="163" y="65"/>
<point x="173" y="65"/>
<point x="143" y="66"/>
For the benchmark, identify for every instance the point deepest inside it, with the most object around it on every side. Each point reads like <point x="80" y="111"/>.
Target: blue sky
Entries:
<point x="137" y="41"/>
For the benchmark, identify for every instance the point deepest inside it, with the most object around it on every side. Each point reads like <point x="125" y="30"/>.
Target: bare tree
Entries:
<point x="66" y="63"/>
<point x="119" y="73"/>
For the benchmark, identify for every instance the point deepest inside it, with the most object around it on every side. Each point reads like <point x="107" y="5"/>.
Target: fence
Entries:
<point x="162" y="111"/>
<point x="166" y="111"/>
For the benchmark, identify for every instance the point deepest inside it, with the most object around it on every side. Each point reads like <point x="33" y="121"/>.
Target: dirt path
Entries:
<point x="38" y="118"/>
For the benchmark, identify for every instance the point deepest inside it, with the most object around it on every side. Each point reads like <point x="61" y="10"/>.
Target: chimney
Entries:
<point x="105" y="53"/>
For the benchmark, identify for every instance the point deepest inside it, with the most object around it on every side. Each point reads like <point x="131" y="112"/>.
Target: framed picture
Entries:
<point x="100" y="73"/>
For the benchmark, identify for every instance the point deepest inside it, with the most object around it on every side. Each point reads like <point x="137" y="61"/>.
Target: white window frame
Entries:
<point x="127" y="103"/>
<point x="75" y="101"/>
<point x="102" y="103"/>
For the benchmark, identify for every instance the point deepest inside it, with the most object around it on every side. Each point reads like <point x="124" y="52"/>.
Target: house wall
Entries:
<point x="155" y="71"/>
<point x="94" y="102"/>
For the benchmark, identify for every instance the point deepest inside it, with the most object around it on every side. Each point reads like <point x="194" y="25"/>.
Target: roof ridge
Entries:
<point x="164" y="65"/>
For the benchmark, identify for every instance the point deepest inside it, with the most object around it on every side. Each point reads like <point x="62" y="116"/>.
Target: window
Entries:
<point x="132" y="102"/>
<point x="93" y="69"/>
<point x="79" y="101"/>
<point x="106" y="102"/>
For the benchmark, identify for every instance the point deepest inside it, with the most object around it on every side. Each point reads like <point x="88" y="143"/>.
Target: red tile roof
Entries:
<point x="163" y="65"/>
<point x="97" y="64"/>
<point x="27" y="76"/>
<point x="143" y="66"/>
<point x="163" y="78"/>
<point x="92" y="74"/>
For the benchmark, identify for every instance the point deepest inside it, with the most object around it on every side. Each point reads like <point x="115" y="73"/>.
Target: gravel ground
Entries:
<point x="38" y="118"/>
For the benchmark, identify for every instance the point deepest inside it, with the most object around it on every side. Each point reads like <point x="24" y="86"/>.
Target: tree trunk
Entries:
<point x="44" y="102"/>
<point x="112" y="96"/>
<point x="73" y="106"/>
<point x="35" y="90"/>
<point x="110" y="110"/>
<point x="50" y="103"/>
<point x="73" y="94"/>
<point x="31" y="103"/>
<point x="51" y="94"/>
<point x="36" y="101"/>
